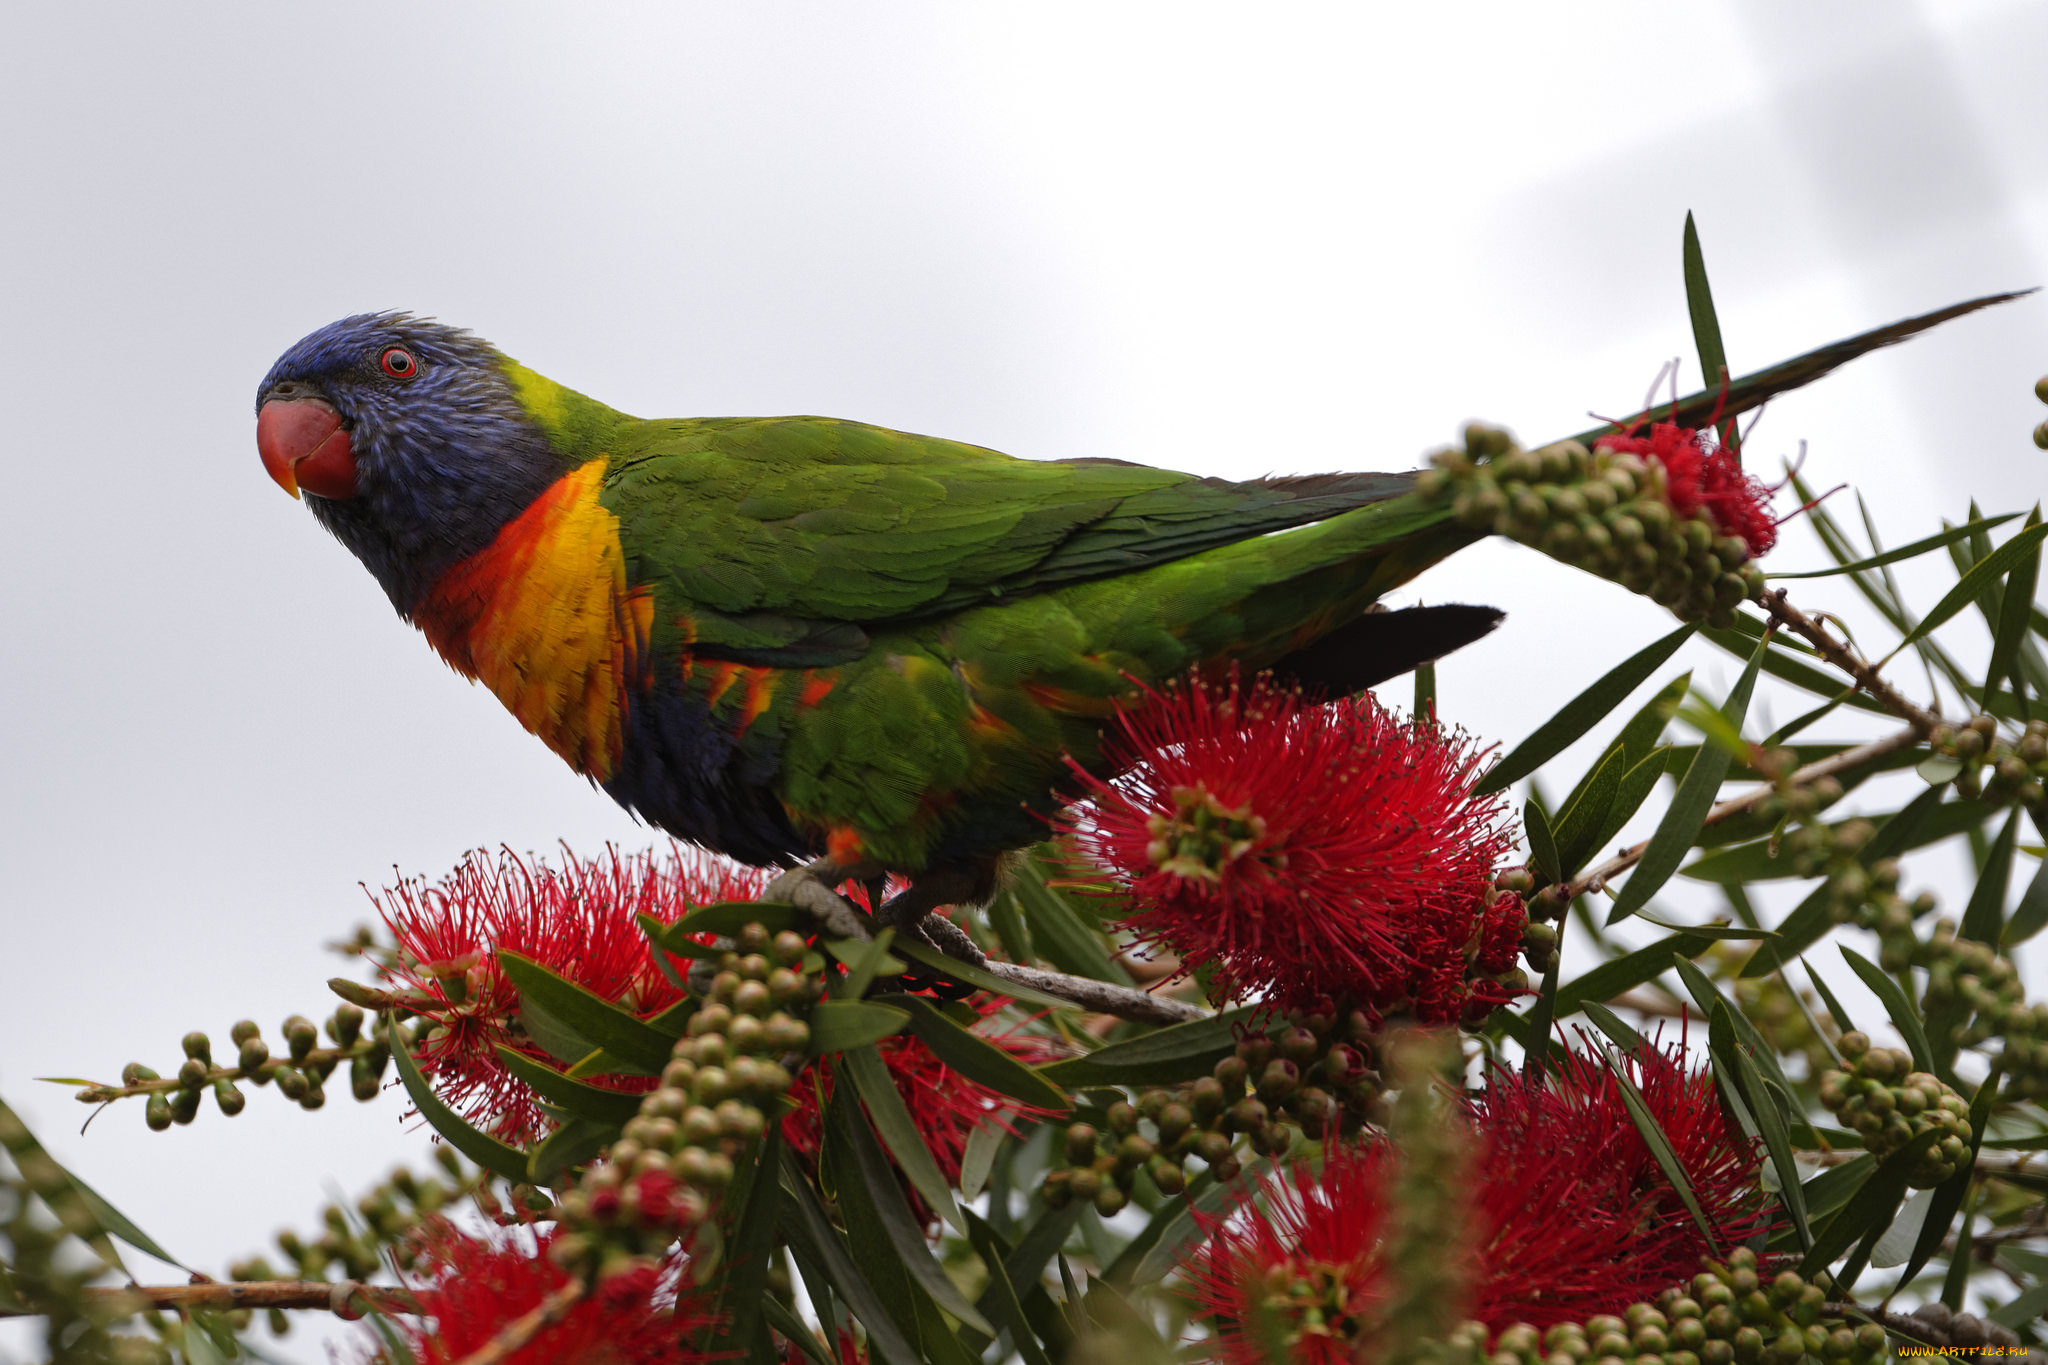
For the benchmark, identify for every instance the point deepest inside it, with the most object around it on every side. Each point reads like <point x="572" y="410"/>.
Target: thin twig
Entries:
<point x="1100" y="996"/>
<point x="1597" y="878"/>
<point x="1835" y="652"/>
<point x="527" y="1326"/>
<point x="346" y="1298"/>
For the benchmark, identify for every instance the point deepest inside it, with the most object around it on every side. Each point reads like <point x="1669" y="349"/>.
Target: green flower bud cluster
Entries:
<point x="1866" y="896"/>
<point x="1727" y="1315"/>
<point x="1539" y="939"/>
<point x="1604" y="511"/>
<point x="722" y="1087"/>
<point x="1889" y="1104"/>
<point x="1970" y="979"/>
<point x="2041" y="431"/>
<point x="359" y="1039"/>
<point x="383" y="1221"/>
<point x="1315" y="1075"/>
<point x="1998" y="768"/>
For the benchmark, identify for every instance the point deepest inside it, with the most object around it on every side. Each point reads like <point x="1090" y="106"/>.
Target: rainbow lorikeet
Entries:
<point x="794" y="637"/>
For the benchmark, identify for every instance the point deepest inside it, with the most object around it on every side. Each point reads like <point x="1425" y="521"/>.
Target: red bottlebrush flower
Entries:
<point x="473" y="1286"/>
<point x="1307" y="853"/>
<point x="1700" y="472"/>
<point x="577" y="920"/>
<point x="945" y="1105"/>
<point x="1571" y="1216"/>
<point x="850" y="1352"/>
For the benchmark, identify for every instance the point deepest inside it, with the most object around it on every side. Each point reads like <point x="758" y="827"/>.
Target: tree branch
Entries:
<point x="1597" y="878"/>
<point x="1837" y="653"/>
<point x="345" y="1298"/>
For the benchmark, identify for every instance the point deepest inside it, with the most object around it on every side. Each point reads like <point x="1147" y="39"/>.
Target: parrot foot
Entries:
<point x="810" y="888"/>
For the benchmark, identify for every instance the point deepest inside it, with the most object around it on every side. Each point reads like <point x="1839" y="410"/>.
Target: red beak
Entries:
<point x="304" y="445"/>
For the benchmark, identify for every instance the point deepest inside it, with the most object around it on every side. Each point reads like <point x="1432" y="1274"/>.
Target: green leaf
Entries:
<point x="729" y="917"/>
<point x="1179" y="1052"/>
<point x="877" y="1090"/>
<point x="485" y="1150"/>
<point x="2031" y="1304"/>
<point x="552" y="1006"/>
<point x="1057" y="931"/>
<point x="1834" y="1187"/>
<point x="1719" y="929"/>
<point x="1581" y="713"/>
<point x="663" y="936"/>
<point x="1610" y="979"/>
<point x="1613" y="1026"/>
<point x="1872" y="1207"/>
<point x="1425" y="690"/>
<point x="1699" y="303"/>
<point x="1754" y="389"/>
<point x="1893" y="998"/>
<point x="844" y="1025"/>
<point x="976" y="1058"/>
<point x="574" y="1143"/>
<point x="1542" y="1016"/>
<point x="1008" y="1306"/>
<point x="751" y="1252"/>
<point x="1636" y="785"/>
<point x="1984" y="574"/>
<point x="1984" y="917"/>
<point x="877" y="1185"/>
<point x="1660" y="1150"/>
<point x="2030" y="916"/>
<point x="864" y="961"/>
<point x="1689" y="807"/>
<point x="1917" y="548"/>
<point x="975" y="976"/>
<point x="1788" y="668"/>
<point x="1835" y="1010"/>
<point x="1040" y="1243"/>
<point x="1178" y="1229"/>
<point x="1734" y="1063"/>
<point x="1581" y="829"/>
<point x="812" y="1235"/>
<point x="612" y="1107"/>
<point x="791" y="1328"/>
<point x="984" y="1140"/>
<point x="1542" y="848"/>
<point x="22" y="1144"/>
<point x="1759" y="1051"/>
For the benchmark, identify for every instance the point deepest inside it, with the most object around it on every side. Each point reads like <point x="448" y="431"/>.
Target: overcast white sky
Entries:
<point x="1227" y="239"/>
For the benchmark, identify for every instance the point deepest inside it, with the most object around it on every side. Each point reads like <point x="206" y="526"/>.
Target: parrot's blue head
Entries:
<point x="409" y="439"/>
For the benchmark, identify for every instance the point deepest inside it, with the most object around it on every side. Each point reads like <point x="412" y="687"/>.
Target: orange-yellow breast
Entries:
<point x="542" y="616"/>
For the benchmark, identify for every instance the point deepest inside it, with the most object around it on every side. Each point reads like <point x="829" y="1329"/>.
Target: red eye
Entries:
<point x="398" y="363"/>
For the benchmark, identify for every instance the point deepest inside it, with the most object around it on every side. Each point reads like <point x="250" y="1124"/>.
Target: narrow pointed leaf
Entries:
<point x="1581" y="828"/>
<point x="1613" y="1026"/>
<point x="30" y="1155"/>
<point x="568" y="1006"/>
<point x="2030" y="916"/>
<point x="1425" y="690"/>
<point x="486" y="1151"/>
<point x="1542" y="847"/>
<point x="1610" y="979"/>
<point x="752" y="1250"/>
<point x="1699" y="303"/>
<point x="1984" y="917"/>
<point x="791" y="1328"/>
<point x="1789" y="668"/>
<point x="884" y="1102"/>
<point x="1636" y="785"/>
<point x="571" y="1145"/>
<point x="729" y="917"/>
<point x="1893" y="998"/>
<point x="1835" y="1010"/>
<point x="878" y="1188"/>
<point x="1764" y="1111"/>
<point x="1752" y="390"/>
<point x="1984" y="574"/>
<point x="844" y="1025"/>
<point x="807" y="1228"/>
<point x="864" y="961"/>
<point x="1057" y="931"/>
<point x="1720" y="929"/>
<point x="983" y="1142"/>
<point x="976" y="1058"/>
<point x="928" y="956"/>
<point x="1581" y="713"/>
<point x="1009" y="1307"/>
<point x="614" y="1107"/>
<point x="1179" y="1052"/>
<point x="1872" y="1207"/>
<point x="1917" y="548"/>
<point x="1660" y="1150"/>
<point x="1688" y="812"/>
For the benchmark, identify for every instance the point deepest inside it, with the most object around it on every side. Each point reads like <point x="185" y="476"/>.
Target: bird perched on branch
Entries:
<point x="793" y="638"/>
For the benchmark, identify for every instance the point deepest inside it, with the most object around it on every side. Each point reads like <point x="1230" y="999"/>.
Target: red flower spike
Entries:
<point x="1699" y="472"/>
<point x="472" y="1286"/>
<point x="945" y="1105"/>
<point x="578" y="921"/>
<point x="1308" y="853"/>
<point x="1572" y="1217"/>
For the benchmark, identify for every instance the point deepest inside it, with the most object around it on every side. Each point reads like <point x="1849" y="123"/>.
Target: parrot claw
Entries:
<point x="809" y="889"/>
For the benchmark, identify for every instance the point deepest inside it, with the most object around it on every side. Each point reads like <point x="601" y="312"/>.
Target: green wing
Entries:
<point x="792" y="538"/>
